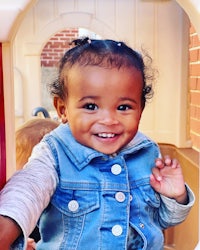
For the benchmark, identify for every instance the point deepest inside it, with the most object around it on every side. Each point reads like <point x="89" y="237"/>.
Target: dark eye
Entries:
<point x="124" y="107"/>
<point x="90" y="106"/>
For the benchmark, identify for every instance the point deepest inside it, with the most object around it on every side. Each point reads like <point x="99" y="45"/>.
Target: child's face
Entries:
<point x="103" y="106"/>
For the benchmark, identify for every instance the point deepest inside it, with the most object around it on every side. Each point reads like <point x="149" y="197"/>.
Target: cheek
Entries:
<point x="78" y="123"/>
<point x="133" y="123"/>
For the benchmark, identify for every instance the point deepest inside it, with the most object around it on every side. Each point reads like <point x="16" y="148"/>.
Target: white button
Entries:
<point x="131" y="197"/>
<point x="119" y="196"/>
<point x="73" y="205"/>
<point x="141" y="225"/>
<point x="117" y="230"/>
<point x="116" y="169"/>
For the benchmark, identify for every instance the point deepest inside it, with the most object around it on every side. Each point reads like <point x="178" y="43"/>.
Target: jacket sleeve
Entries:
<point x="173" y="213"/>
<point x="28" y="192"/>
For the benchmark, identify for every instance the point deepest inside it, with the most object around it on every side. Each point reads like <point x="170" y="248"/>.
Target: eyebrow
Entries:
<point x="97" y="97"/>
<point x="89" y="97"/>
<point x="127" y="99"/>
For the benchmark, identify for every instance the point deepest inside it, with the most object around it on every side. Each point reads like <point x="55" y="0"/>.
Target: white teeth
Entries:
<point x="105" y="135"/>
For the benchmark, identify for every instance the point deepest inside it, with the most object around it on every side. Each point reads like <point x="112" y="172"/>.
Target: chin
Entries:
<point x="107" y="152"/>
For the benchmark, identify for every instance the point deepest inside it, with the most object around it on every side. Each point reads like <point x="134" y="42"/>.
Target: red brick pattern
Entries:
<point x="194" y="88"/>
<point x="56" y="47"/>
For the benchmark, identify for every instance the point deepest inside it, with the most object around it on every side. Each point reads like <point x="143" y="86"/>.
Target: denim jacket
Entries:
<point x="98" y="197"/>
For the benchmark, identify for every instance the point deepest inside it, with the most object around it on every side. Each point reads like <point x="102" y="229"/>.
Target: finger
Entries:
<point x="30" y="240"/>
<point x="159" y="163"/>
<point x="156" y="174"/>
<point x="175" y="163"/>
<point x="30" y="248"/>
<point x="167" y="160"/>
<point x="31" y="244"/>
<point x="171" y="163"/>
<point x="154" y="183"/>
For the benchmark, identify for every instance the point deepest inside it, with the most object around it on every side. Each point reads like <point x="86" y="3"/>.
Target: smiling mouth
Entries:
<point x="106" y="135"/>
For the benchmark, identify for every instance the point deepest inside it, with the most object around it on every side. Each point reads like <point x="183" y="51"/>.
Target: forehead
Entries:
<point x="104" y="79"/>
<point x="89" y="71"/>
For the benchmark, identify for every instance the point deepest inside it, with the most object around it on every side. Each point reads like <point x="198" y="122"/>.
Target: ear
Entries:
<point x="60" y="106"/>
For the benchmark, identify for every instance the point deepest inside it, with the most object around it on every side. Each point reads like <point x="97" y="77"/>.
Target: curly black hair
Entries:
<point x="103" y="53"/>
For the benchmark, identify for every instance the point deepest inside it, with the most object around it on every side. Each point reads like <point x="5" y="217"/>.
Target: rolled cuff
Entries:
<point x="175" y="211"/>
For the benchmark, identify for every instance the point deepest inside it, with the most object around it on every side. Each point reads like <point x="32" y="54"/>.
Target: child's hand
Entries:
<point x="31" y="244"/>
<point x="167" y="179"/>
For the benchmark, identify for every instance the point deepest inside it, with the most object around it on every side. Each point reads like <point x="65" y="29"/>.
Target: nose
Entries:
<point x="108" y="118"/>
